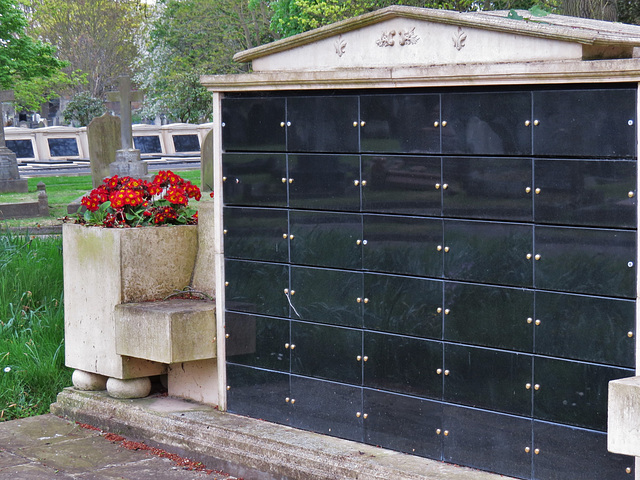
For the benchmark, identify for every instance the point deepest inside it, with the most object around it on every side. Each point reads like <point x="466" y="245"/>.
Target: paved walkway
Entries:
<point x="48" y="447"/>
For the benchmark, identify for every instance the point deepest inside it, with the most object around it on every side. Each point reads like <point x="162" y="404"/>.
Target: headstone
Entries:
<point x="206" y="162"/>
<point x="103" y="134"/>
<point x="9" y="175"/>
<point x="127" y="162"/>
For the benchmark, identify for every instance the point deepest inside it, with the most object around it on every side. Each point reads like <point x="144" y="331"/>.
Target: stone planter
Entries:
<point x="105" y="267"/>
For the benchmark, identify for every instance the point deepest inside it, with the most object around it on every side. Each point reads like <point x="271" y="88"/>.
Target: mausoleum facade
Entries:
<point x="425" y="237"/>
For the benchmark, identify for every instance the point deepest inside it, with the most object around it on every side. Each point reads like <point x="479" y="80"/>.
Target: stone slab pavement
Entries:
<point x="48" y="447"/>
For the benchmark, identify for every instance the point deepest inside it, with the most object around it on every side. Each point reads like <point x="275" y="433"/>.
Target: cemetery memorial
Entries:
<point x="9" y="175"/>
<point x="425" y="237"/>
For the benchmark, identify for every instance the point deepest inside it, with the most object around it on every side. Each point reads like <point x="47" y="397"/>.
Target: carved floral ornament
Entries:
<point x="405" y="37"/>
<point x="459" y="38"/>
<point x="340" y="46"/>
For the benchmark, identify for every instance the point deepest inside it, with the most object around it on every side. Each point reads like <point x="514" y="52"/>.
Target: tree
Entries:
<point x="189" y="38"/>
<point x="22" y="59"/>
<point x="82" y="109"/>
<point x="629" y="11"/>
<point x="96" y="37"/>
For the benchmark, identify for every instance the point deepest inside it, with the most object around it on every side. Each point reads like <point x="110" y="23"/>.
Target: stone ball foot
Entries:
<point x="133" y="388"/>
<point x="88" y="381"/>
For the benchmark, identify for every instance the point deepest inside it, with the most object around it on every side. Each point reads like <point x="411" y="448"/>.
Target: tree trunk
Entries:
<point x="598" y="9"/>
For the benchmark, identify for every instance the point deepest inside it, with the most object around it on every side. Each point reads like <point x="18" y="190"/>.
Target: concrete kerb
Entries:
<point x="246" y="447"/>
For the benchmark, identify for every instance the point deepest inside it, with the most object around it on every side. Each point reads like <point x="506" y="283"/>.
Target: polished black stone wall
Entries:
<point x="448" y="273"/>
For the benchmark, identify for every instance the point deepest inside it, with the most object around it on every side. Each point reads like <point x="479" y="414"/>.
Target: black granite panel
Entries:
<point x="147" y="143"/>
<point x="566" y="453"/>
<point x="257" y="179"/>
<point x="586" y="192"/>
<point x="573" y="393"/>
<point x="324" y="182"/>
<point x="584" y="260"/>
<point x="404" y="305"/>
<point x="256" y="234"/>
<point x="588" y="328"/>
<point x="326" y="352"/>
<point x="186" y="143"/>
<point x="401" y="184"/>
<point x="407" y="245"/>
<point x="491" y="188"/>
<point x="486" y="123"/>
<point x="63" y="147"/>
<point x="257" y="287"/>
<point x="22" y="148"/>
<point x="400" y="123"/>
<point x="253" y="124"/>
<point x="492" y="316"/>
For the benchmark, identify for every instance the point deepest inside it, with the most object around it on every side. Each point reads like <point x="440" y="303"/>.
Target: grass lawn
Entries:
<point x="61" y="190"/>
<point x="32" y="367"/>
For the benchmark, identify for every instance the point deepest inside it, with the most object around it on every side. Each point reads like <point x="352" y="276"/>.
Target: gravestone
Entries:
<point x="127" y="162"/>
<point x="103" y="134"/>
<point x="9" y="175"/>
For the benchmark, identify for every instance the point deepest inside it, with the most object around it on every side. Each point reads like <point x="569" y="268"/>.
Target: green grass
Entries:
<point x="32" y="367"/>
<point x="61" y="190"/>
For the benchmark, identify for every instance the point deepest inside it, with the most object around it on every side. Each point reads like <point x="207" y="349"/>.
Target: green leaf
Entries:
<point x="514" y="15"/>
<point x="536" y="11"/>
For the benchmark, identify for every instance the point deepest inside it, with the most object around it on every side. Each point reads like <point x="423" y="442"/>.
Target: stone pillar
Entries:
<point x="9" y="175"/>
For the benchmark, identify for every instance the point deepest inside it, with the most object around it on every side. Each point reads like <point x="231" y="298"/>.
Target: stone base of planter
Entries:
<point x="170" y="331"/>
<point x="88" y="381"/>
<point x="134" y="388"/>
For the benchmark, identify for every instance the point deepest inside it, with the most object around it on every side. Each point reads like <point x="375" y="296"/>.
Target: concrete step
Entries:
<point x="246" y="447"/>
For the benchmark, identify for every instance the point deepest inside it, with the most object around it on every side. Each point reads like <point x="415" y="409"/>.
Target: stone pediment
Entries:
<point x="399" y="36"/>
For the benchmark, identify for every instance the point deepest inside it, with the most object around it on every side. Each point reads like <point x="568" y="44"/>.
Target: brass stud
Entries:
<point x="446" y="249"/>
<point x="447" y="372"/>
<point x="365" y="358"/>
<point x="536" y="386"/>
<point x="529" y="320"/>
<point x="447" y="311"/>
<point x="538" y="256"/>
<point x="365" y="415"/>
<point x="224" y="179"/>
<point x="228" y="388"/>
<point x="630" y="334"/>
<point x="446" y="433"/>
<point x="439" y="310"/>
<point x="366" y="300"/>
<point x="364" y="183"/>
<point x="293" y="400"/>
<point x="437" y="186"/>
<point x="293" y="292"/>
<point x="438" y="431"/>
<point x="284" y="235"/>
<point x="631" y="194"/>
<point x="528" y="386"/>
<point x="529" y="256"/>
<point x="291" y="237"/>
<point x="358" y="414"/>
<point x="537" y="191"/>
<point x="291" y="180"/>
<point x="358" y="299"/>
<point x="287" y="399"/>
<point x="528" y="189"/>
<point x="536" y="122"/>
<point x="436" y="124"/>
<point x="364" y="242"/>
<point x="527" y="123"/>
<point x="537" y="451"/>
<point x="358" y="242"/>
<point x="286" y="291"/>
<point x="439" y="248"/>
<point x="286" y="346"/>
<point x="439" y="371"/>
<point x="445" y="186"/>
<point x="538" y="321"/>
<point x="226" y="335"/>
<point x="356" y="182"/>
<point x="359" y="357"/>
<point x="628" y="469"/>
<point x="355" y="124"/>
<point x="226" y="284"/>
<point x="527" y="449"/>
<point x="224" y="232"/>
<point x="293" y="346"/>
<point x="284" y="180"/>
<point x="444" y="123"/>
<point x="362" y="123"/>
<point x="282" y="124"/>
